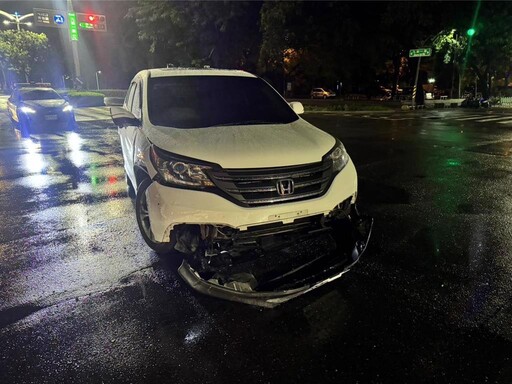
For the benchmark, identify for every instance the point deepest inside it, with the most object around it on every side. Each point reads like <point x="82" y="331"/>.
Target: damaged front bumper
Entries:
<point x="267" y="266"/>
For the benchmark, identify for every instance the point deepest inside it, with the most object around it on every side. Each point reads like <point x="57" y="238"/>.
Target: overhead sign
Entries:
<point x="73" y="26"/>
<point x="56" y="18"/>
<point x="420" y="52"/>
<point x="92" y="22"/>
<point x="49" y="18"/>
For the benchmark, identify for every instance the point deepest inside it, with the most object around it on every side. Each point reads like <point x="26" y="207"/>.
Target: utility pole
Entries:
<point x="74" y="45"/>
<point x="414" y="90"/>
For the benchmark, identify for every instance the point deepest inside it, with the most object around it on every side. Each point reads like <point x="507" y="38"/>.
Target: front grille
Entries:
<point x="256" y="187"/>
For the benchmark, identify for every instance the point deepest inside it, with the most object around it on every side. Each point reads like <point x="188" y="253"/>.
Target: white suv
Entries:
<point x="257" y="201"/>
<point x="321" y="93"/>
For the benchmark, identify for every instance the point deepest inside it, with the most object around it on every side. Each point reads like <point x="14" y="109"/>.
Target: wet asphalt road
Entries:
<point x="83" y="300"/>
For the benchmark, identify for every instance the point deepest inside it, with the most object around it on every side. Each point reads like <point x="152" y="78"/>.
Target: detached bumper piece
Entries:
<point x="271" y="264"/>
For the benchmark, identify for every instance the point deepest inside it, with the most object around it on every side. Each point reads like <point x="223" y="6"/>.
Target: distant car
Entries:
<point x="39" y="109"/>
<point x="322" y="93"/>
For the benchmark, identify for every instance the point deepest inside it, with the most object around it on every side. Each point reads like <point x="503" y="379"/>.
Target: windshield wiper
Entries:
<point x="246" y="122"/>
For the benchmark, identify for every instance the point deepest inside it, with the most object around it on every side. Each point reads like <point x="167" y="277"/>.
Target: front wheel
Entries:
<point x="143" y="220"/>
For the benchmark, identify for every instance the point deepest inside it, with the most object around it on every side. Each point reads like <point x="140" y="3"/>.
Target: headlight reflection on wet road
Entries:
<point x="74" y="144"/>
<point x="33" y="160"/>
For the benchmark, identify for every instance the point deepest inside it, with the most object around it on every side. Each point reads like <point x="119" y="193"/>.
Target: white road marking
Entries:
<point x="470" y="118"/>
<point x="494" y="119"/>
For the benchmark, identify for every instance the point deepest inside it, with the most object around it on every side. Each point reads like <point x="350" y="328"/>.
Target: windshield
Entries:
<point x="40" y="94"/>
<point x="206" y="101"/>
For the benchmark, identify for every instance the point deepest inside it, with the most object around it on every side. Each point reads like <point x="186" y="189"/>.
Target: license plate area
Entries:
<point x="51" y="117"/>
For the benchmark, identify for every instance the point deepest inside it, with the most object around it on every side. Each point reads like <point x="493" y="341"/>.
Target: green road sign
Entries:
<point x="73" y="27"/>
<point x="420" y="52"/>
<point x="86" y="25"/>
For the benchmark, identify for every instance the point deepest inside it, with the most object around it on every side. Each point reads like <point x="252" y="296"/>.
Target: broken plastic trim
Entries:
<point x="361" y="228"/>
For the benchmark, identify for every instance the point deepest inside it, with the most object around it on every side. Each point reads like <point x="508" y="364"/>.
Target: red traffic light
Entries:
<point x="92" y="18"/>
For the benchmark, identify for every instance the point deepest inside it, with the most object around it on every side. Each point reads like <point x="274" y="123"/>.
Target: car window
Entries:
<point x="129" y="97"/>
<point x="205" y="101"/>
<point x="136" y="102"/>
<point x="39" y="94"/>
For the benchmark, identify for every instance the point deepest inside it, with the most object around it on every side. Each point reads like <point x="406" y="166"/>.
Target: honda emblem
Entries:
<point x="285" y="187"/>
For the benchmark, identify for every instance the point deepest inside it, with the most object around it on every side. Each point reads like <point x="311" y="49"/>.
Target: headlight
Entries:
<point x="67" y="108"/>
<point x="339" y="157"/>
<point x="179" y="172"/>
<point x="26" y="109"/>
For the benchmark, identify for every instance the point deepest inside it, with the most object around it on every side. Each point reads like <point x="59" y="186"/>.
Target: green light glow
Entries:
<point x="453" y="163"/>
<point x="73" y="28"/>
<point x="471" y="31"/>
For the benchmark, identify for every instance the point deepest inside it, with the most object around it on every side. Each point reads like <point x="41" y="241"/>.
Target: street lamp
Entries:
<point x="431" y="80"/>
<point x="98" y="80"/>
<point x="16" y="18"/>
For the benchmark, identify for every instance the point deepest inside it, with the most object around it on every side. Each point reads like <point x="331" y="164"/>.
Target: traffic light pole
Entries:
<point x="415" y="88"/>
<point x="74" y="46"/>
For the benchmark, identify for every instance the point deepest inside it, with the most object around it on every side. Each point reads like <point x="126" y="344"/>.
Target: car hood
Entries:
<point x="45" y="103"/>
<point x="246" y="146"/>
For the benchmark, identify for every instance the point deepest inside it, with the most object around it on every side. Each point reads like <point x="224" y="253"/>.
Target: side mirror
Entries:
<point x="297" y="107"/>
<point x="123" y="118"/>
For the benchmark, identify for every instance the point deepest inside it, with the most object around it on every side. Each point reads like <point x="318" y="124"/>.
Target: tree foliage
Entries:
<point x="450" y="43"/>
<point x="186" y="33"/>
<point x="329" y="38"/>
<point x="21" y="50"/>
<point x="312" y="43"/>
<point x="490" y="52"/>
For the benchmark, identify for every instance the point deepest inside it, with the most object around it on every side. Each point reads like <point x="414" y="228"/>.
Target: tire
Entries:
<point x="325" y="97"/>
<point x="141" y="212"/>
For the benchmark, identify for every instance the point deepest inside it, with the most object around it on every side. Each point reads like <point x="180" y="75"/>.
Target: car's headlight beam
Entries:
<point x="26" y="109"/>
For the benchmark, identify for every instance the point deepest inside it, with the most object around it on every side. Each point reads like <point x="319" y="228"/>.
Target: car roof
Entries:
<point x="168" y="72"/>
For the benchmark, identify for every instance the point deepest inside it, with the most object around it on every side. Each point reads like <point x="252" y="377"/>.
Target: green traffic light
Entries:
<point x="471" y="31"/>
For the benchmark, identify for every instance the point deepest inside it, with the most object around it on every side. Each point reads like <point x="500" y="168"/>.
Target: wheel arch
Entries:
<point x="141" y="173"/>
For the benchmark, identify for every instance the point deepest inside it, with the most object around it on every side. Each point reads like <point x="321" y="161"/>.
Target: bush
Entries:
<point x="85" y="93"/>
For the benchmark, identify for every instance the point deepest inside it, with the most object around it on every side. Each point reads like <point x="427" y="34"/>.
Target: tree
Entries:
<point x="490" y="50"/>
<point x="223" y="34"/>
<point x="20" y="51"/>
<point x="451" y="44"/>
<point x="404" y="25"/>
<point x="329" y="38"/>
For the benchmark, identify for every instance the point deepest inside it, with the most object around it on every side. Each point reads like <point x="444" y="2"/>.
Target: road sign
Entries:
<point x="49" y="18"/>
<point x="73" y="26"/>
<point x="420" y="52"/>
<point x="85" y="21"/>
<point x="59" y="19"/>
